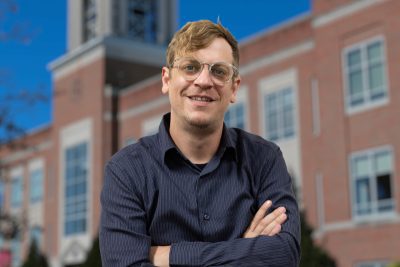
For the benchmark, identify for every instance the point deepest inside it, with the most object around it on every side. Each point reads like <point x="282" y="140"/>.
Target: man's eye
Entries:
<point x="220" y="71"/>
<point x="190" y="67"/>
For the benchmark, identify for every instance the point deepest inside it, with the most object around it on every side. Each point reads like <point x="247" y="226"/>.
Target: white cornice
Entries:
<point x="344" y="11"/>
<point x="20" y="155"/>
<point x="110" y="47"/>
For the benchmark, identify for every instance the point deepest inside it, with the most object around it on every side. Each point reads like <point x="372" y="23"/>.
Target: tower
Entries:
<point x="110" y="44"/>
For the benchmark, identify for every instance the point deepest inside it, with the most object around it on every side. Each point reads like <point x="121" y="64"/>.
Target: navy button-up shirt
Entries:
<point x="153" y="195"/>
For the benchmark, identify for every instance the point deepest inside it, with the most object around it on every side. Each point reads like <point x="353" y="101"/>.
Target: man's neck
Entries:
<point x="198" y="145"/>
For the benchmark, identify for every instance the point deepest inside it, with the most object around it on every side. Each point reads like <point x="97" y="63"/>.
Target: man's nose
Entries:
<point x="204" y="76"/>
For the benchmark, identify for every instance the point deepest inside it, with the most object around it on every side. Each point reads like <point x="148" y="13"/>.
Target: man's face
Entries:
<point x="201" y="102"/>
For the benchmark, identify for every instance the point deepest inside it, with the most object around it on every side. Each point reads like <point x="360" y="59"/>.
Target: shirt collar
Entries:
<point x="167" y="144"/>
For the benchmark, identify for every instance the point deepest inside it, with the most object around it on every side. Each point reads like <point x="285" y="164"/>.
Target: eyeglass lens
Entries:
<point x="220" y="72"/>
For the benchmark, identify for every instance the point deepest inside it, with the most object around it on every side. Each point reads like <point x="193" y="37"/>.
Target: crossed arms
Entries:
<point x="263" y="224"/>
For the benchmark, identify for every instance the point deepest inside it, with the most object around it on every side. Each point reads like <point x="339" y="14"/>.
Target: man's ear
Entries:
<point x="165" y="78"/>
<point x="235" y="88"/>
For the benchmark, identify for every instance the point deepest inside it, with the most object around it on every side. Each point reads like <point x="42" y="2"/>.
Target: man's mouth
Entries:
<point x="201" y="98"/>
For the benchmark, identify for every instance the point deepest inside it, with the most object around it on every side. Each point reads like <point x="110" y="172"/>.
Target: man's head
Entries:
<point x="198" y="35"/>
<point x="201" y="76"/>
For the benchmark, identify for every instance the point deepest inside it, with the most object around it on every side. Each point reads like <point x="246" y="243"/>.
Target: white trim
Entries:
<point x="35" y="209"/>
<point x="36" y="163"/>
<point x="17" y="171"/>
<point x="109" y="46"/>
<point x="20" y="155"/>
<point x="368" y="105"/>
<point x="290" y="147"/>
<point x="351" y="225"/>
<point x="277" y="56"/>
<point x="75" y="61"/>
<point x="146" y="106"/>
<point x="344" y="11"/>
<point x="70" y="135"/>
<point x="316" y="119"/>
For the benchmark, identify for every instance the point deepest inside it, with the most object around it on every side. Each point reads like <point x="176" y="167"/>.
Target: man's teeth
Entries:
<point x="201" y="98"/>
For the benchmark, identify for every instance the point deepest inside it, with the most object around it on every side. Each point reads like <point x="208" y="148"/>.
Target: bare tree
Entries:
<point x="13" y="100"/>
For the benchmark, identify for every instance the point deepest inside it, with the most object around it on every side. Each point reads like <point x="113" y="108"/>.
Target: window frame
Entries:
<point x="362" y="47"/>
<point x="375" y="214"/>
<point x="75" y="198"/>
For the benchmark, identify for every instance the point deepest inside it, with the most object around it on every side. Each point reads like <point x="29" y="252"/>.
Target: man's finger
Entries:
<point x="260" y="214"/>
<point x="268" y="222"/>
<point x="275" y="226"/>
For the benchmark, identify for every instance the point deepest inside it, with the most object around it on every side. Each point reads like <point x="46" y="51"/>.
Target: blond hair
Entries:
<point x="197" y="35"/>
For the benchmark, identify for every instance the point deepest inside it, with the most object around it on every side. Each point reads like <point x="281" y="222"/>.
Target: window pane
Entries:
<point x="356" y="87"/>
<point x="376" y="81"/>
<point x="288" y="120"/>
<point x="361" y="167"/>
<point x="36" y="185"/>
<point x="384" y="187"/>
<point x="363" y="196"/>
<point x="354" y="59"/>
<point x="374" y="51"/>
<point x="272" y="117"/>
<point x="383" y="162"/>
<point x="16" y="191"/>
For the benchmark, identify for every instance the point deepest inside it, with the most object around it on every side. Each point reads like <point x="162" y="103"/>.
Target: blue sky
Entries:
<point x="25" y="62"/>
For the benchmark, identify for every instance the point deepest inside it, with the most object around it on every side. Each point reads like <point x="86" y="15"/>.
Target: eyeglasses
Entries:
<point x="190" y="69"/>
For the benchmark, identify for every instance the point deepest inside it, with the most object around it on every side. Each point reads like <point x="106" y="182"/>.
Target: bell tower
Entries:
<point x="111" y="45"/>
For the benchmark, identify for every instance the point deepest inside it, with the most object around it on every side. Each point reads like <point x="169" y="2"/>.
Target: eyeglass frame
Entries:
<point x="235" y="70"/>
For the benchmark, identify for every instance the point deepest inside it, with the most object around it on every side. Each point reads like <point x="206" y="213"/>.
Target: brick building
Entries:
<point x="323" y="86"/>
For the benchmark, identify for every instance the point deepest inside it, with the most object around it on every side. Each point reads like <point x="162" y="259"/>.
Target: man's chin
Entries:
<point x="199" y="122"/>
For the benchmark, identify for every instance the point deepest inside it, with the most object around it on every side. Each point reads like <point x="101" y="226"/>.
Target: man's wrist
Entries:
<point x="159" y="255"/>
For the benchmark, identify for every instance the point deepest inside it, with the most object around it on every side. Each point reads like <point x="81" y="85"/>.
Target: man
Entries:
<point x="197" y="193"/>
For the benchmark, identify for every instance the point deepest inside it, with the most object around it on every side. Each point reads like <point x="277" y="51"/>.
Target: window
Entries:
<point x="279" y="110"/>
<point x="142" y="20"/>
<point x="235" y="116"/>
<point x="89" y="20"/>
<point x="372" y="174"/>
<point x="75" y="190"/>
<point x="2" y="190"/>
<point x="17" y="188"/>
<point x="365" y="74"/>
<point x="36" y="185"/>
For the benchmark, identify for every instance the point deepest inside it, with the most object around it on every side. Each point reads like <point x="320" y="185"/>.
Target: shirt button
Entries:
<point x="206" y="217"/>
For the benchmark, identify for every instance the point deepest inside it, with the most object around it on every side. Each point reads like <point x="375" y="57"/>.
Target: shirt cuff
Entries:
<point x="186" y="253"/>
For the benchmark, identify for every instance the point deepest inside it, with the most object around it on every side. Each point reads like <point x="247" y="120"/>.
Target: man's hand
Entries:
<point x="269" y="224"/>
<point x="159" y="255"/>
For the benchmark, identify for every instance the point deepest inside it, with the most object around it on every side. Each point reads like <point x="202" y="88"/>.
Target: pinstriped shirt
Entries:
<point x="153" y="195"/>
